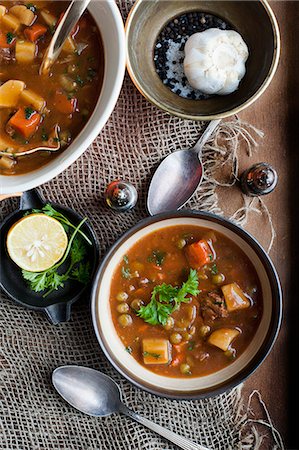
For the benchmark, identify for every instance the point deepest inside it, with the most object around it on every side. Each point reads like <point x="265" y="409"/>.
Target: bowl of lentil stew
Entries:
<point x="156" y="33"/>
<point x="186" y="305"/>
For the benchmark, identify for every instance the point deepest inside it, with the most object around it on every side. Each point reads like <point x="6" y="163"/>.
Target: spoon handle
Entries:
<point x="63" y="30"/>
<point x="178" y="440"/>
<point x="206" y="135"/>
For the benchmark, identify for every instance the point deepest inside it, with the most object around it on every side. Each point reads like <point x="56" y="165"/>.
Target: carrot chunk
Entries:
<point x="7" y="40"/>
<point x="63" y="104"/>
<point x="24" y="122"/>
<point x="199" y="254"/>
<point x="34" y="32"/>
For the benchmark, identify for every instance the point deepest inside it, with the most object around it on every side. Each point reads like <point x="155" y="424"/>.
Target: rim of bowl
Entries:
<point x="77" y="152"/>
<point x="272" y="332"/>
<point x="237" y="109"/>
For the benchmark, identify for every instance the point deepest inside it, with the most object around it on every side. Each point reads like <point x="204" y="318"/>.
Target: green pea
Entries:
<point x="218" y="278"/>
<point x="175" y="338"/>
<point x="181" y="243"/>
<point x="204" y="330"/>
<point x="186" y="336"/>
<point x="125" y="320"/>
<point x="122" y="296"/>
<point x="136" y="304"/>
<point x="122" y="308"/>
<point x="185" y="369"/>
<point x="169" y="323"/>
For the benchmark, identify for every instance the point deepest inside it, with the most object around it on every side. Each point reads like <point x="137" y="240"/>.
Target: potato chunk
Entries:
<point x="223" y="337"/>
<point x="10" y="22"/>
<point x="2" y="10"/>
<point x="10" y="93"/>
<point x="25" y="51"/>
<point x="156" y="351"/>
<point x="25" y="15"/>
<point x="48" y="18"/>
<point x="234" y="297"/>
<point x="31" y="98"/>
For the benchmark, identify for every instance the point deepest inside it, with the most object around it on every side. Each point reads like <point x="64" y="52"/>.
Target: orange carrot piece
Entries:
<point x="199" y="254"/>
<point x="63" y="104"/>
<point x="7" y="40"/>
<point x="25" y="122"/>
<point x="34" y="32"/>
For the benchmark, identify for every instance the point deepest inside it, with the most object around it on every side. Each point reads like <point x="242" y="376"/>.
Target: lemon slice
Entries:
<point x="36" y="242"/>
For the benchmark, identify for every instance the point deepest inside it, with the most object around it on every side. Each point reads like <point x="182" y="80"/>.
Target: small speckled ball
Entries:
<point x="121" y="196"/>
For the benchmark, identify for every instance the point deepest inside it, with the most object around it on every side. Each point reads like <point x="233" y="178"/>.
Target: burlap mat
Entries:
<point x="32" y="415"/>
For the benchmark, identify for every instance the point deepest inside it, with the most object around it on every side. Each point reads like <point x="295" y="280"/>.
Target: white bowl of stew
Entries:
<point x="79" y="96"/>
<point x="186" y="340"/>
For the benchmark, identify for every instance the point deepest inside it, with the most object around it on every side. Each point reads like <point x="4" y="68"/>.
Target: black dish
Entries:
<point x="57" y="306"/>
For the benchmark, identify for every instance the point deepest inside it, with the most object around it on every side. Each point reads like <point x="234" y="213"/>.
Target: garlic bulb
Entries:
<point x="215" y="61"/>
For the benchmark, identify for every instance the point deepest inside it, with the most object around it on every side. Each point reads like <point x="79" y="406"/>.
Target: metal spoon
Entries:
<point x="63" y="30"/>
<point x="96" y="394"/>
<point x="178" y="176"/>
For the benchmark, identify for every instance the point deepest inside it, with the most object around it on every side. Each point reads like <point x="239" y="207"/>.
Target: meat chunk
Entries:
<point x="213" y="307"/>
<point x="6" y="56"/>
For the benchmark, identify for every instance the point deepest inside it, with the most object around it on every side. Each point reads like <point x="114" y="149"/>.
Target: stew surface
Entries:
<point x="32" y="105"/>
<point x="185" y="301"/>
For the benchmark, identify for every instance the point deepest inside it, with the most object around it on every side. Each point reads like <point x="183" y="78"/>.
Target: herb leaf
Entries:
<point x="166" y="298"/>
<point x="157" y="257"/>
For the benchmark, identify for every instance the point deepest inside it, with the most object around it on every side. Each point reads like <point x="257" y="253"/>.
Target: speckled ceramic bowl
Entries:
<point x="197" y="387"/>
<point x="254" y="20"/>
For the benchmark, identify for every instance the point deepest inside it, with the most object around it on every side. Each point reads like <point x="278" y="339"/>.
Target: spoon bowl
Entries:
<point x="87" y="390"/>
<point x="178" y="176"/>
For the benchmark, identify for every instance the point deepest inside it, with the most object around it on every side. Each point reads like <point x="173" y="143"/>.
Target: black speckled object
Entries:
<point x="174" y="36"/>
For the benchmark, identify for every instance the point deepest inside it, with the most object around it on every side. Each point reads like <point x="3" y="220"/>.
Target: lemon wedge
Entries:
<point x="36" y="242"/>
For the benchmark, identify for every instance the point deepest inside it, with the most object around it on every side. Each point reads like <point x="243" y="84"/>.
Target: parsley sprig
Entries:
<point x="79" y="270"/>
<point x="165" y="299"/>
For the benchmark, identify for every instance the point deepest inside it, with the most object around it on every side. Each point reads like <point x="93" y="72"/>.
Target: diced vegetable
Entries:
<point x="67" y="83"/>
<point x="199" y="254"/>
<point x="25" y="122"/>
<point x="69" y="45"/>
<point x="10" y="93"/>
<point x="234" y="297"/>
<point x="7" y="40"/>
<point x="25" y="51"/>
<point x="6" y="162"/>
<point x="223" y="337"/>
<point x="25" y="15"/>
<point x="156" y="351"/>
<point x="10" y="22"/>
<point x="125" y="320"/>
<point x="64" y="104"/>
<point x="31" y="98"/>
<point x="2" y="10"/>
<point x="35" y="32"/>
<point x="48" y="18"/>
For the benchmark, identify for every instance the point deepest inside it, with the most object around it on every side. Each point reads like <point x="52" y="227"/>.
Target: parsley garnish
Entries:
<point x="125" y="271"/>
<point x="154" y="355"/>
<point x="191" y="345"/>
<point x="31" y="7"/>
<point x="126" y="259"/>
<point x="157" y="257"/>
<point x="128" y="349"/>
<point x="9" y="37"/>
<point x="214" y="269"/>
<point x="167" y="298"/>
<point x="50" y="280"/>
<point x="28" y="112"/>
<point x="44" y="136"/>
<point x="79" y="80"/>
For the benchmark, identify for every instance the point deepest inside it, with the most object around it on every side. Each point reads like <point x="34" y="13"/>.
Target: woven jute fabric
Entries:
<point x="32" y="415"/>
